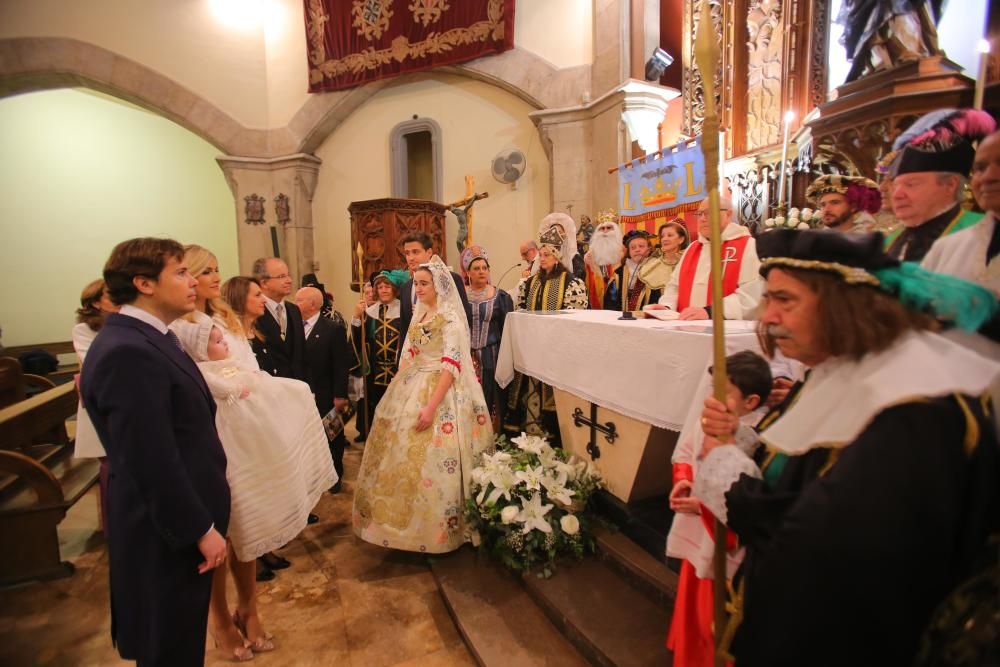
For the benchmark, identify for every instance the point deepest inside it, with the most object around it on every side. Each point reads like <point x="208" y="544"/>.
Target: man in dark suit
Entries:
<point x="328" y="357"/>
<point x="282" y="352"/>
<point x="417" y="250"/>
<point x="168" y="504"/>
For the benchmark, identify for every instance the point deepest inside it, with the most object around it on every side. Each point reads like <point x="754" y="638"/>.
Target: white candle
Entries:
<point x="789" y="117"/>
<point x="984" y="59"/>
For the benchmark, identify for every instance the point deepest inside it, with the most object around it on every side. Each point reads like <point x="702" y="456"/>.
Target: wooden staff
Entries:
<point x="364" y="333"/>
<point x="707" y="56"/>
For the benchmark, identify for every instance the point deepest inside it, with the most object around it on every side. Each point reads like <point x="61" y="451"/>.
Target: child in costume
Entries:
<point x="691" y="533"/>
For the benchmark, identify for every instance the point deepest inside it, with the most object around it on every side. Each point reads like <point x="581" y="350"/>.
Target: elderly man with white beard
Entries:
<point x="604" y="256"/>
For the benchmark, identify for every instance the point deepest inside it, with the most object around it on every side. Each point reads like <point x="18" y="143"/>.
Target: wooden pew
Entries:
<point x="39" y="481"/>
<point x="64" y="371"/>
<point x="16" y="385"/>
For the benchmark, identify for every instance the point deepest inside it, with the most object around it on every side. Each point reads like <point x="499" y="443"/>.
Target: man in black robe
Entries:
<point x="872" y="492"/>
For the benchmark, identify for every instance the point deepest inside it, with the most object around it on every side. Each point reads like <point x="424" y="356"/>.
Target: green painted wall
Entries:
<point x="81" y="171"/>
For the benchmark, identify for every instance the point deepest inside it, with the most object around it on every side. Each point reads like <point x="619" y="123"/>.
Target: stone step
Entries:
<point x="500" y="623"/>
<point x="603" y="614"/>
<point x="647" y="574"/>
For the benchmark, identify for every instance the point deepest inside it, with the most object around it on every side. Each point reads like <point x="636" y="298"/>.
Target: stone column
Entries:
<point x="274" y="205"/>
<point x="584" y="141"/>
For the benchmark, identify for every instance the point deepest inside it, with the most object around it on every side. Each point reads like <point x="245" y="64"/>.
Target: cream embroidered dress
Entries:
<point x="412" y="485"/>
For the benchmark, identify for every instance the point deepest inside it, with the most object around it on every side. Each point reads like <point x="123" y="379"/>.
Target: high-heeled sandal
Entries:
<point x="261" y="644"/>
<point x="241" y="653"/>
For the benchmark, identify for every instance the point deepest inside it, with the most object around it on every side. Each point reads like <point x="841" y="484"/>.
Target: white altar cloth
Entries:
<point x="649" y="370"/>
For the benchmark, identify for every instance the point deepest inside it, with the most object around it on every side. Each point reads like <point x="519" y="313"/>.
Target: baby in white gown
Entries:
<point x="279" y="460"/>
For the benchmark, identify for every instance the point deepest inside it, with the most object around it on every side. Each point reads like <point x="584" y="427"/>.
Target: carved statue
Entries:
<point x="880" y="34"/>
<point x="461" y="211"/>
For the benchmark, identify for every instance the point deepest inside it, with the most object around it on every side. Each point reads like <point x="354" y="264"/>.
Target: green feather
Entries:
<point x="945" y="297"/>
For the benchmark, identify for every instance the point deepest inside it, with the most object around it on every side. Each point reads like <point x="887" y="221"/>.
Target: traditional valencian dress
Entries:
<point x="488" y="316"/>
<point x="382" y="338"/>
<point x="412" y="486"/>
<point x="531" y="403"/>
<point x="278" y="456"/>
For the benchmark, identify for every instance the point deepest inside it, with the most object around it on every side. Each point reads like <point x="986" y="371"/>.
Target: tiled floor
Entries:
<point x="343" y="602"/>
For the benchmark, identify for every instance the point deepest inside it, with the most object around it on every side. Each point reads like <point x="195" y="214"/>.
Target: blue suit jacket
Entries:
<point x="156" y="418"/>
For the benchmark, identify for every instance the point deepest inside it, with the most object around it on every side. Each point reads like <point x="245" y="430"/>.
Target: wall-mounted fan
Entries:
<point x="508" y="166"/>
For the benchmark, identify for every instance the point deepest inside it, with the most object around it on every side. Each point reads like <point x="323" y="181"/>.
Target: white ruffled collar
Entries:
<point x="842" y="397"/>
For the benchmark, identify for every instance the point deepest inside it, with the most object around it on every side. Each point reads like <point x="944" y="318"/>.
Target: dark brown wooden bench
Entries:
<point x="65" y="371"/>
<point x="39" y="481"/>
<point x="16" y="385"/>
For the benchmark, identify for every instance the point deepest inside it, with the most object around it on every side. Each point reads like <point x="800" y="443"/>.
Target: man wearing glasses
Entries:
<point x="281" y="325"/>
<point x="689" y="291"/>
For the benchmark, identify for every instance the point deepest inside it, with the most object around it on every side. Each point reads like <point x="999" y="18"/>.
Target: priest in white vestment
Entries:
<point x="689" y="290"/>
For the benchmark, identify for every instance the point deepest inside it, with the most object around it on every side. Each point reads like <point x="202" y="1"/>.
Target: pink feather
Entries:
<point x="973" y="124"/>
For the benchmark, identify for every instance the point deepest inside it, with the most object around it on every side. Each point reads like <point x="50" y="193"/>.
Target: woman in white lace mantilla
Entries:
<point x="427" y="431"/>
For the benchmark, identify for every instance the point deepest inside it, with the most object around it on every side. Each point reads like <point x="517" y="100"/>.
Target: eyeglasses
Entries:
<point x="704" y="214"/>
<point x="281" y="277"/>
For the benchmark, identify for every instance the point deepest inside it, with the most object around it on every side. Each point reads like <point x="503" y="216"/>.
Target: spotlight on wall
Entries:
<point x="658" y="64"/>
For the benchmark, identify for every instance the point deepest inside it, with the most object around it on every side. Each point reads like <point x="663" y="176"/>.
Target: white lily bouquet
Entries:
<point x="528" y="503"/>
<point x="805" y="218"/>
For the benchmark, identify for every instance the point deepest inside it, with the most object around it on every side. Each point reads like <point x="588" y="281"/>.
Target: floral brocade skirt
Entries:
<point x="412" y="485"/>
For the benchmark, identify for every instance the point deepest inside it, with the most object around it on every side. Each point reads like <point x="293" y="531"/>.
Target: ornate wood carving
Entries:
<point x="764" y="63"/>
<point x="380" y="224"/>
<point x="750" y="196"/>
<point x="694" y="101"/>
<point x="819" y="46"/>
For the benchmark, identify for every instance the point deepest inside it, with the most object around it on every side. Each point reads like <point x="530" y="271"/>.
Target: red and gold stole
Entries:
<point x="732" y="260"/>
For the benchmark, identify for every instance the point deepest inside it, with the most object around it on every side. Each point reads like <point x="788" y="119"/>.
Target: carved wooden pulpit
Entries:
<point x="379" y="225"/>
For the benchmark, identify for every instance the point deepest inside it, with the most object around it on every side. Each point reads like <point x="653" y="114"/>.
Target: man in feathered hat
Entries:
<point x="929" y="166"/>
<point x="876" y="491"/>
<point x="604" y="256"/>
<point x="974" y="253"/>
<point x="637" y="249"/>
<point x="846" y="203"/>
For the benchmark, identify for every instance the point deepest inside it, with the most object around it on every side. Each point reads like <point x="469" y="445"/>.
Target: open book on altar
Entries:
<point x="660" y="314"/>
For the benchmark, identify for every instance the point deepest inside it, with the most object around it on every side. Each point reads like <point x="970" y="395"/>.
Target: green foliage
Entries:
<point x="529" y="504"/>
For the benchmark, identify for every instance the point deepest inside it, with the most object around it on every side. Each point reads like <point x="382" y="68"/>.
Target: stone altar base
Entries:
<point x="636" y="466"/>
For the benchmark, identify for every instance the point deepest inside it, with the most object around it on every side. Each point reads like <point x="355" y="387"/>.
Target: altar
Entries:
<point x="636" y="380"/>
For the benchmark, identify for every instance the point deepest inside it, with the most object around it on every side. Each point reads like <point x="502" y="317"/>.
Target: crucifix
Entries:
<point x="462" y="209"/>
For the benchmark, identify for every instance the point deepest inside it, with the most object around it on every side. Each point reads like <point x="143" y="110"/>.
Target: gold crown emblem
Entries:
<point x="607" y="215"/>
<point x="661" y="193"/>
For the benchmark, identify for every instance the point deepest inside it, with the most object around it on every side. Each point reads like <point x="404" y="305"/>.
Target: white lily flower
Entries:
<point x="503" y="482"/>
<point x="533" y="515"/>
<point x="556" y="488"/>
<point x="532" y="477"/>
<point x="530" y="443"/>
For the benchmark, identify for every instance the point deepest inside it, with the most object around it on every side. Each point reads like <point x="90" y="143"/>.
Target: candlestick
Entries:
<point x="789" y="117"/>
<point x="984" y="59"/>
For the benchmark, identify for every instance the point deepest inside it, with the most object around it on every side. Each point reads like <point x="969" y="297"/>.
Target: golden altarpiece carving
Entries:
<point x="774" y="59"/>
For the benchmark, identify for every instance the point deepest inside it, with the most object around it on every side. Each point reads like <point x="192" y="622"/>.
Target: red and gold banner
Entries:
<point x="351" y="42"/>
